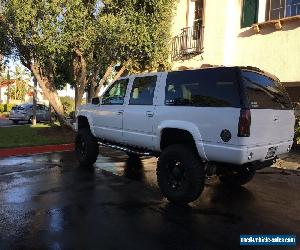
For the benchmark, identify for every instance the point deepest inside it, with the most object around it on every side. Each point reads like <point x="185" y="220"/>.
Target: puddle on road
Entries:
<point x="12" y="161"/>
<point x="21" y="160"/>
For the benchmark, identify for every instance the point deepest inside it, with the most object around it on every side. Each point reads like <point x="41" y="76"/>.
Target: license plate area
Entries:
<point x="271" y="152"/>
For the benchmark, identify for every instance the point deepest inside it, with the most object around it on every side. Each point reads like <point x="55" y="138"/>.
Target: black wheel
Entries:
<point x="237" y="176"/>
<point x="180" y="174"/>
<point x="30" y="121"/>
<point x="15" y="122"/>
<point x="86" y="147"/>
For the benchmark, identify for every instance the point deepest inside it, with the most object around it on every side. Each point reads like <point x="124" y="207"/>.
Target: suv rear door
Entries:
<point x="140" y="112"/>
<point x="272" y="114"/>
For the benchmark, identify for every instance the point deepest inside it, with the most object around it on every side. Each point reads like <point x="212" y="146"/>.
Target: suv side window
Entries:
<point x="264" y="92"/>
<point x="142" y="92"/>
<point x="116" y="93"/>
<point x="215" y="87"/>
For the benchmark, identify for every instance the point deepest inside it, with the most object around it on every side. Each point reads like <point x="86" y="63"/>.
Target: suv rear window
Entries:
<point x="265" y="92"/>
<point x="214" y="87"/>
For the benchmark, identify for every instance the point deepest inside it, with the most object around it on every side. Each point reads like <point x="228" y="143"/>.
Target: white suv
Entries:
<point x="226" y="121"/>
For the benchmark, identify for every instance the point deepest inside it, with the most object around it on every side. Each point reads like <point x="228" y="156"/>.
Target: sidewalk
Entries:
<point x="290" y="161"/>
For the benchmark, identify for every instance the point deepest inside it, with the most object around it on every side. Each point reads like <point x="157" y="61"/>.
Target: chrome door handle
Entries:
<point x="120" y="112"/>
<point x="149" y="113"/>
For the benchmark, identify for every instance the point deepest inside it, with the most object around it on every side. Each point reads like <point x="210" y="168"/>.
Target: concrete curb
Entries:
<point x="6" y="152"/>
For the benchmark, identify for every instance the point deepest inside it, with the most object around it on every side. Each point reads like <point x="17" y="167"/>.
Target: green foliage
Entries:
<point x="62" y="36"/>
<point x="68" y="104"/>
<point x="138" y="31"/>
<point x="297" y="129"/>
<point x="18" y="91"/>
<point x="1" y="108"/>
<point x="6" y="107"/>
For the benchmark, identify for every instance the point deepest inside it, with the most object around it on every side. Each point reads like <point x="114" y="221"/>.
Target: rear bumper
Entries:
<point x="242" y="154"/>
<point x="17" y="118"/>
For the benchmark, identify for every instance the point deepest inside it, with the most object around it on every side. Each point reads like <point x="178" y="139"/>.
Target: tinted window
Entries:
<point x="24" y="107"/>
<point x="40" y="107"/>
<point x="203" y="88"/>
<point x="116" y="93"/>
<point x="143" y="90"/>
<point x="265" y="92"/>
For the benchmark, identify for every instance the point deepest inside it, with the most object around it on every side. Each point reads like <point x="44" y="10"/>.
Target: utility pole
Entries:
<point x="34" y="101"/>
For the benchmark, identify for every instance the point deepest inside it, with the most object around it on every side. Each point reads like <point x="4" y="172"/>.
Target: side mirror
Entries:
<point x="96" y="100"/>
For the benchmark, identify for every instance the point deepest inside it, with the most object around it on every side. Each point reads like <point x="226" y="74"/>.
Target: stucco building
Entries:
<point x="260" y="33"/>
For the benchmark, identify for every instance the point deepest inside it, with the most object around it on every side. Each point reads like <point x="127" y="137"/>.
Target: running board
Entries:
<point x="126" y="149"/>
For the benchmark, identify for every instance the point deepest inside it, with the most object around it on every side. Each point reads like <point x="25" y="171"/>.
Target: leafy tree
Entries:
<point x="80" y="41"/>
<point x="18" y="91"/>
<point x="20" y="88"/>
<point x="68" y="104"/>
<point x="134" y="34"/>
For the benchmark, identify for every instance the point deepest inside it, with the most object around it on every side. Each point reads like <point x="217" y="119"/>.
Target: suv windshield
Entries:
<point x="265" y="92"/>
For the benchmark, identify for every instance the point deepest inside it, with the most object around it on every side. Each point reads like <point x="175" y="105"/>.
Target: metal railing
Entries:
<point x="188" y="43"/>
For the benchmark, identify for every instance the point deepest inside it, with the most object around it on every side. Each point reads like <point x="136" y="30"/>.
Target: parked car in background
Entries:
<point x="24" y="112"/>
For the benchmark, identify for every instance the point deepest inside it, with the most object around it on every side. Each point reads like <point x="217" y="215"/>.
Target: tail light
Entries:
<point x="244" y="123"/>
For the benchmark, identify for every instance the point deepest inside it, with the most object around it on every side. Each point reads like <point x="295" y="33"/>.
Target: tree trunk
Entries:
<point x="92" y="83"/>
<point x="80" y="76"/>
<point x="120" y="72"/>
<point x="79" y="91"/>
<point x="34" y="101"/>
<point x="50" y="93"/>
<point x="104" y="78"/>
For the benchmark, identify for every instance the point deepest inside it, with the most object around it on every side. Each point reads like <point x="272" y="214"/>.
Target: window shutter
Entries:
<point x="249" y="13"/>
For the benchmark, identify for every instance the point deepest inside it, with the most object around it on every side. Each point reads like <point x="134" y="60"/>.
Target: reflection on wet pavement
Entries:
<point x="49" y="202"/>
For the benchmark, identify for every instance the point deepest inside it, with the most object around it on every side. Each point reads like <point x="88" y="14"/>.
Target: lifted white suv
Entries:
<point x="226" y="121"/>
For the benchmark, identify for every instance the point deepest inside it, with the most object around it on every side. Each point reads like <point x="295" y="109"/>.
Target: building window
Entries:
<point x="277" y="9"/>
<point x="198" y="21"/>
<point x="249" y="13"/>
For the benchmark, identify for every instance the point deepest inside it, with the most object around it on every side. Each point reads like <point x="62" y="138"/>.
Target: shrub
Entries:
<point x="68" y="104"/>
<point x="8" y="107"/>
<point x="297" y="130"/>
<point x="1" y="108"/>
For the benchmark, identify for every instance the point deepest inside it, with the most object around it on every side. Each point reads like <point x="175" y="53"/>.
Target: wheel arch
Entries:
<point x="178" y="131"/>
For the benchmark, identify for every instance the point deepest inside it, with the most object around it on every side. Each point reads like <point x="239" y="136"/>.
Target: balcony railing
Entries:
<point x="188" y="44"/>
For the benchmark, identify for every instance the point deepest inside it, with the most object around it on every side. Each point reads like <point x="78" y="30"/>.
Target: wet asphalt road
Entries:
<point x="48" y="202"/>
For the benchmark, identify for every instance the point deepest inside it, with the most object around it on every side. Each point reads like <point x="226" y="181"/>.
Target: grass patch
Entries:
<point x="40" y="134"/>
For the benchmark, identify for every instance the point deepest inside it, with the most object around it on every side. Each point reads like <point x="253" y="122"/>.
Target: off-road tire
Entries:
<point x="189" y="166"/>
<point x="86" y="147"/>
<point x="237" y="177"/>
